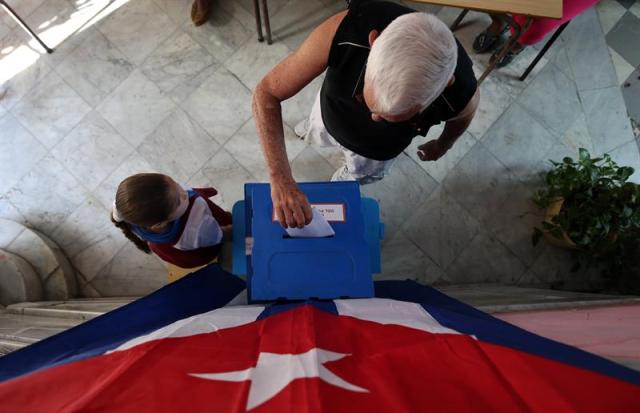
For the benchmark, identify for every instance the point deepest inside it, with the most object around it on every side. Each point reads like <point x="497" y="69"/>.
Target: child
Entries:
<point x="181" y="225"/>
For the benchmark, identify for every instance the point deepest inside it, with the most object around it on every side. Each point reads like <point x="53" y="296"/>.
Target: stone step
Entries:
<point x="56" y="273"/>
<point x="7" y="346"/>
<point x="26" y="323"/>
<point x="18" y="280"/>
<point x="498" y="298"/>
<point x="17" y="331"/>
<point x="18" y="339"/>
<point x="78" y="309"/>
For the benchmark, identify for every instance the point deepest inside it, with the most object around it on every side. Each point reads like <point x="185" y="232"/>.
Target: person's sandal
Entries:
<point x="200" y="11"/>
<point x="508" y="57"/>
<point x="487" y="41"/>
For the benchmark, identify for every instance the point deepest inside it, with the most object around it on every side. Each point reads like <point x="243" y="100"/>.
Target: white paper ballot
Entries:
<point x="318" y="228"/>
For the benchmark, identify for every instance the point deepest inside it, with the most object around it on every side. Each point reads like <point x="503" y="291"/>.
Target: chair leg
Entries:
<point x="267" y="24"/>
<point x="256" y="9"/>
<point x="25" y="26"/>
<point x="458" y="20"/>
<point x="546" y="47"/>
<point x="518" y="30"/>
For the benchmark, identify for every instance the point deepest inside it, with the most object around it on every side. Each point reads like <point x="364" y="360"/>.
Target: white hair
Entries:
<point x="410" y="63"/>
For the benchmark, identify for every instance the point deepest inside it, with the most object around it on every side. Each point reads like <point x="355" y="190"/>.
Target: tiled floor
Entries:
<point x="133" y="86"/>
<point x="620" y="21"/>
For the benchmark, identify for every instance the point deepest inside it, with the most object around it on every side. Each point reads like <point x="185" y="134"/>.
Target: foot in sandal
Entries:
<point x="490" y="38"/>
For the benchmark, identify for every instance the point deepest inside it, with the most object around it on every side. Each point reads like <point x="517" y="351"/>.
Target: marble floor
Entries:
<point x="621" y="22"/>
<point x="133" y="86"/>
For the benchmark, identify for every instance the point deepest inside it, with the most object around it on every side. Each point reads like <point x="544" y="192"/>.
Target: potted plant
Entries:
<point x="593" y="210"/>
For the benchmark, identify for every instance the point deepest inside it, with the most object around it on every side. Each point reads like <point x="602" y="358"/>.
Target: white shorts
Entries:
<point x="356" y="167"/>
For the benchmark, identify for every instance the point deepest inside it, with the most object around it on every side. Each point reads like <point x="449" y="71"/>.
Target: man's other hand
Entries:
<point x="432" y="150"/>
<point x="290" y="204"/>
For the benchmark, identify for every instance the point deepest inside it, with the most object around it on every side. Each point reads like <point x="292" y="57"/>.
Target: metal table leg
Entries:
<point x="267" y="24"/>
<point x="256" y="9"/>
<point x="458" y="20"/>
<point x="24" y="26"/>
<point x="546" y="47"/>
<point x="512" y="41"/>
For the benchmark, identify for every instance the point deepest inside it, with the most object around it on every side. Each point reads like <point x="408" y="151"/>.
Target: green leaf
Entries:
<point x="557" y="233"/>
<point x="585" y="240"/>
<point x="625" y="172"/>
<point x="548" y="225"/>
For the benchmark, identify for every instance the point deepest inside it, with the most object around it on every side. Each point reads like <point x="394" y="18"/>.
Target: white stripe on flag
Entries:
<point x="215" y="320"/>
<point x="387" y="311"/>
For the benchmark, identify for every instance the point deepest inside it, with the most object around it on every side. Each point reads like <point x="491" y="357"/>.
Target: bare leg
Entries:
<point x="497" y="24"/>
<point x="491" y="37"/>
<point x="506" y="54"/>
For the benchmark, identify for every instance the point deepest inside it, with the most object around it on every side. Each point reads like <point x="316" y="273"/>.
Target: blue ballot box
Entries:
<point x="280" y="267"/>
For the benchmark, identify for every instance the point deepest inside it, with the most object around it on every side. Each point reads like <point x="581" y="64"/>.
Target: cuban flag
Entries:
<point x="187" y="348"/>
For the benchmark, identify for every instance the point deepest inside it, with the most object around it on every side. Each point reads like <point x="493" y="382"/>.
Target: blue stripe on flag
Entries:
<point x="202" y="291"/>
<point x="463" y="318"/>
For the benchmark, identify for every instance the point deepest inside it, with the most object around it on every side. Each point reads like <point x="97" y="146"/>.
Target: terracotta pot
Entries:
<point x="552" y="210"/>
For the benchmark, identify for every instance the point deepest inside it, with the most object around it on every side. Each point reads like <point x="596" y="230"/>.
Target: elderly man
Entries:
<point x="391" y="74"/>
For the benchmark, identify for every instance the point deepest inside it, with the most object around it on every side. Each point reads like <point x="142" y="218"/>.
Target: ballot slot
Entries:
<point x="319" y="227"/>
<point x="289" y="237"/>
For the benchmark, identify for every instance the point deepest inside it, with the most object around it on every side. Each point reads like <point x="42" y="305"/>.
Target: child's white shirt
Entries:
<point x="201" y="229"/>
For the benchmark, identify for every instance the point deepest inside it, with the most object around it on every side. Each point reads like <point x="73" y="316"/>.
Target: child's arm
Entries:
<point x="227" y="233"/>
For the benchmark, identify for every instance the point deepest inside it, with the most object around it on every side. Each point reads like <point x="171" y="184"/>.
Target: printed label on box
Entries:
<point x="330" y="212"/>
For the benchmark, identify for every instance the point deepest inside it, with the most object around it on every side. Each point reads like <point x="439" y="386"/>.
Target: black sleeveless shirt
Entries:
<point x="344" y="112"/>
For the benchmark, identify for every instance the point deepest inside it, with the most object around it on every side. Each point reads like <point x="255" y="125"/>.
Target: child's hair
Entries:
<point x="143" y="199"/>
<point x="126" y="230"/>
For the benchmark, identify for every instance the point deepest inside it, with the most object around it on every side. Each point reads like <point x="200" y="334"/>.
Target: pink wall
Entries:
<point x="607" y="331"/>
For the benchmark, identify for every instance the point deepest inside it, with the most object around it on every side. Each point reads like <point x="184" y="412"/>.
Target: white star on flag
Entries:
<point x="274" y="372"/>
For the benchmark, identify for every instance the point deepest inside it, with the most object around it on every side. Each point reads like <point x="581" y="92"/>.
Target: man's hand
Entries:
<point x="432" y="150"/>
<point x="290" y="204"/>
<point x="453" y="129"/>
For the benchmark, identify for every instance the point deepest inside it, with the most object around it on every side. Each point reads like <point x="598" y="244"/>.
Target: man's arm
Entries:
<point x="453" y="129"/>
<point x="283" y="81"/>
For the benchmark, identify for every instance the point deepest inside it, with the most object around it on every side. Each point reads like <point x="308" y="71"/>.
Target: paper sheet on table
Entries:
<point x="318" y="228"/>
